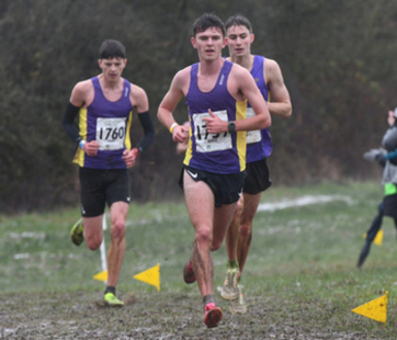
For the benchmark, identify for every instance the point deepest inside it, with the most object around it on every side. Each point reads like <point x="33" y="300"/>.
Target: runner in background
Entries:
<point x="388" y="206"/>
<point x="269" y="79"/>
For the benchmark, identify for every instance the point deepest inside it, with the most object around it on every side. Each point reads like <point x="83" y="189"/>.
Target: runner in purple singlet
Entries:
<point x="216" y="91"/>
<point x="269" y="79"/>
<point x="104" y="153"/>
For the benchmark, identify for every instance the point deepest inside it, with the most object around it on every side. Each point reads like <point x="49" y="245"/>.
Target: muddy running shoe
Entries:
<point x="238" y="306"/>
<point x="188" y="273"/>
<point x="230" y="290"/>
<point x="212" y="315"/>
<point x="111" y="300"/>
<point x="77" y="233"/>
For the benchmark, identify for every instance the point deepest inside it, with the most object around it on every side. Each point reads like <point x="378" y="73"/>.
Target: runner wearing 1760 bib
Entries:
<point x="104" y="106"/>
<point x="109" y="123"/>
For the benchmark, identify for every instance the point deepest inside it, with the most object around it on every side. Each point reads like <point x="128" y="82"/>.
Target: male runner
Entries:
<point x="269" y="79"/>
<point x="214" y="164"/>
<point x="105" y="105"/>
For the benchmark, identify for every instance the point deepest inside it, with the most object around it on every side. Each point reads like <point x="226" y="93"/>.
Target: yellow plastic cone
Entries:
<point x="102" y="276"/>
<point x="150" y="276"/>
<point x="379" y="238"/>
<point x="375" y="309"/>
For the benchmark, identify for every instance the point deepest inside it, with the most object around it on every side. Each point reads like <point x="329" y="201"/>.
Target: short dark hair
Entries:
<point x="112" y="49"/>
<point x="206" y="21"/>
<point x="238" y="20"/>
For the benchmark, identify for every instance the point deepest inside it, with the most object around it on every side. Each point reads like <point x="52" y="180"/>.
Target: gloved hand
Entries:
<point x="392" y="157"/>
<point x="374" y="155"/>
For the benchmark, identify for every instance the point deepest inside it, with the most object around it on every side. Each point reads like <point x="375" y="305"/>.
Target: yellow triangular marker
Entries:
<point x="102" y="276"/>
<point x="379" y="238"/>
<point x="150" y="276"/>
<point x="375" y="309"/>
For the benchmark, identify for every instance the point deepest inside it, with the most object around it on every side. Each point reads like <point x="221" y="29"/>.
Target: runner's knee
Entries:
<point x="93" y="241"/>
<point x="245" y="229"/>
<point x="118" y="229"/>
<point x="203" y="236"/>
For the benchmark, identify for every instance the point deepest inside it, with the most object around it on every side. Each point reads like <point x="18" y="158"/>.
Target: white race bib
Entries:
<point x="253" y="136"/>
<point x="209" y="142"/>
<point x="110" y="133"/>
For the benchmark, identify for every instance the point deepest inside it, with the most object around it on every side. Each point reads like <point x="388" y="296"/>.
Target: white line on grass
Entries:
<point x="25" y="234"/>
<point x="301" y="201"/>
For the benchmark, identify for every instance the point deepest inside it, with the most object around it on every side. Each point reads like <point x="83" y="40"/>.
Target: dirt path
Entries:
<point x="153" y="316"/>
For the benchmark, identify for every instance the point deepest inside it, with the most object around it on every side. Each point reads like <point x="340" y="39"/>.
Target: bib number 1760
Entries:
<point x="110" y="133"/>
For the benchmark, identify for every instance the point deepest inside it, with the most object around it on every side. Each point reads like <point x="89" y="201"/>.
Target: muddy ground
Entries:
<point x="81" y="315"/>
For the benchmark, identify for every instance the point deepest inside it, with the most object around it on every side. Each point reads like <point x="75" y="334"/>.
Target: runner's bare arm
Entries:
<point x="82" y="93"/>
<point x="280" y="104"/>
<point x="139" y="99"/>
<point x="167" y="106"/>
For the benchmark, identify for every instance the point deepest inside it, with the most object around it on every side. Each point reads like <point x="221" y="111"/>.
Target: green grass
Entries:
<point x="301" y="272"/>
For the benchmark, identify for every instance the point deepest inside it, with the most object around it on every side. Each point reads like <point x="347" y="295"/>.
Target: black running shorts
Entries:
<point x="227" y="188"/>
<point x="390" y="205"/>
<point x="257" y="177"/>
<point x="99" y="187"/>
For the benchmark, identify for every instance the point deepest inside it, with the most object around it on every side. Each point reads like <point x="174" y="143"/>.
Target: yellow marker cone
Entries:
<point x="150" y="276"/>
<point x="102" y="276"/>
<point x="379" y="238"/>
<point x="375" y="309"/>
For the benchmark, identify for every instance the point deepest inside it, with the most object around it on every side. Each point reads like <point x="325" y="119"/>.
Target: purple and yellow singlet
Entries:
<point x="259" y="142"/>
<point x="222" y="153"/>
<point x="109" y="123"/>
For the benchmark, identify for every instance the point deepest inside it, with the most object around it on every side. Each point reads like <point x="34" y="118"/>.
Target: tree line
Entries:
<point x="337" y="59"/>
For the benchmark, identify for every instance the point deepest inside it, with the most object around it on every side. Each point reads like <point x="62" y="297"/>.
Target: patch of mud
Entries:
<point x="80" y="315"/>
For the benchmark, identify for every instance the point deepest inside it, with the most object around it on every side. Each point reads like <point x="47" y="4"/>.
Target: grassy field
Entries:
<point x="300" y="281"/>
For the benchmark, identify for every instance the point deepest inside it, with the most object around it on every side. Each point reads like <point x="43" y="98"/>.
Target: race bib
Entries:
<point x="110" y="133"/>
<point x="209" y="142"/>
<point x="253" y="136"/>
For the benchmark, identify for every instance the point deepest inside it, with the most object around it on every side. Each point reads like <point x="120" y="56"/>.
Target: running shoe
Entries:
<point x="111" y="300"/>
<point x="239" y="305"/>
<point x="230" y="290"/>
<point x="77" y="232"/>
<point x="188" y="273"/>
<point x="212" y="315"/>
